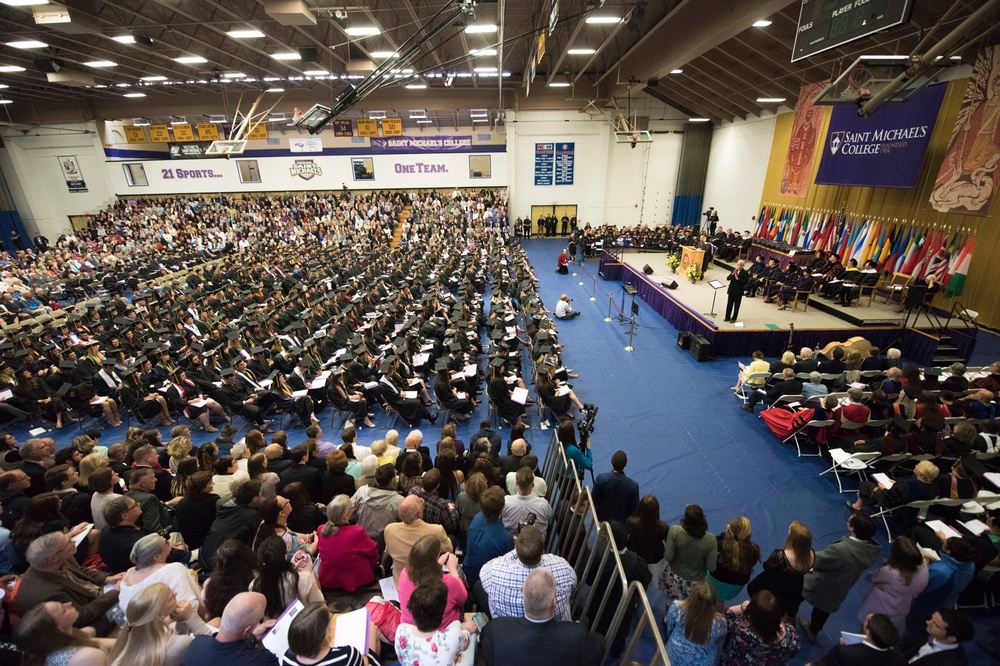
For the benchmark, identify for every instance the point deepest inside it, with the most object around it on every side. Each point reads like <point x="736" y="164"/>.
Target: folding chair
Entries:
<point x="744" y="392"/>
<point x="803" y="431"/>
<point x="787" y="400"/>
<point x="850" y="464"/>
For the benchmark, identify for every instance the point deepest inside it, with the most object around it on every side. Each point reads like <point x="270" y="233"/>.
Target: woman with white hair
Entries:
<point x="148" y="638"/>
<point x="149" y="554"/>
<point x="368" y="468"/>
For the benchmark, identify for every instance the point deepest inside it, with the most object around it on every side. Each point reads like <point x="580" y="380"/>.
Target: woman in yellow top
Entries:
<point x="757" y="365"/>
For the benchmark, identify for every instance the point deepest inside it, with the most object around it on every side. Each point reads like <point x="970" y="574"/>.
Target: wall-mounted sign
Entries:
<point x="258" y="132"/>
<point x="159" y="134"/>
<point x="367" y="127"/>
<point x="544" y="159"/>
<point x="305" y="169"/>
<point x="309" y="144"/>
<point x="392" y="127"/>
<point x="71" y="173"/>
<point x="343" y="128"/>
<point x="183" y="132"/>
<point x="135" y="133"/>
<point x="208" y="131"/>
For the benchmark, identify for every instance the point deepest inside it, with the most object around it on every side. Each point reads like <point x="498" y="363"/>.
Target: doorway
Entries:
<point x="568" y="210"/>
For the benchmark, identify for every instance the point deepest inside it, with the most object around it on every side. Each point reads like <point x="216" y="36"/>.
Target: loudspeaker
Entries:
<point x="309" y="53"/>
<point x="647" y="269"/>
<point x="700" y="348"/>
<point x="684" y="339"/>
<point x="48" y="65"/>
<point x="669" y="285"/>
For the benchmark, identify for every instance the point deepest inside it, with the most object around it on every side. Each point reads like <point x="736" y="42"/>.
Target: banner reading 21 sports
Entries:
<point x="884" y="150"/>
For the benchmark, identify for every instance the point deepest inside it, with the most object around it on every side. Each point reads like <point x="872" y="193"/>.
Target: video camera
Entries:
<point x="585" y="426"/>
<point x="528" y="520"/>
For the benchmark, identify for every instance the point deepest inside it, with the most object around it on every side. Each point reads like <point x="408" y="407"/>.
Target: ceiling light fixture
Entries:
<point x="135" y="94"/>
<point x="699" y="120"/>
<point x="363" y="31"/>
<point x="100" y="63"/>
<point x="581" y="51"/>
<point x="603" y="19"/>
<point x="489" y="74"/>
<point x="316" y="72"/>
<point x="27" y="44"/>
<point x="770" y="100"/>
<point x="677" y="71"/>
<point x="4" y="86"/>
<point x="479" y="113"/>
<point x="482" y="52"/>
<point x="559" y="81"/>
<point x="124" y="39"/>
<point x="153" y="78"/>
<point x="249" y="33"/>
<point x="763" y="23"/>
<point x="481" y="28"/>
<point x="140" y="122"/>
<point x="234" y="75"/>
<point x="10" y="68"/>
<point x="182" y="121"/>
<point x="290" y="55"/>
<point x="6" y="101"/>
<point x="424" y="121"/>
<point x="416" y="86"/>
<point x="190" y="60"/>
<point x="275" y="90"/>
<point x="480" y="120"/>
<point x="382" y="55"/>
<point x="23" y="3"/>
<point x="484" y="70"/>
<point x="418" y="113"/>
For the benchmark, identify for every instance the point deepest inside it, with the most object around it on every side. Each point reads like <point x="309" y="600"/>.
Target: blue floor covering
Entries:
<point x="685" y="436"/>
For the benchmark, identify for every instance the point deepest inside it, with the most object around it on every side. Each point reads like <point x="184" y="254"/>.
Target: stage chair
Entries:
<point x="803" y="431"/>
<point x="869" y="290"/>
<point x="849" y="464"/>
<point x="894" y="288"/>
<point x="801" y="297"/>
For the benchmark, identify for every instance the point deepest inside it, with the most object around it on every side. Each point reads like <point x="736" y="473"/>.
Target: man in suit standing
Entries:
<point x="510" y="640"/>
<point x="616" y="497"/>
<point x="738" y="281"/>
<point x="878" y="648"/>
<point x="788" y="385"/>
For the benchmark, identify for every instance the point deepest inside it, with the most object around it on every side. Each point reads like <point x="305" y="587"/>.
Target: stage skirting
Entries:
<point x="917" y="345"/>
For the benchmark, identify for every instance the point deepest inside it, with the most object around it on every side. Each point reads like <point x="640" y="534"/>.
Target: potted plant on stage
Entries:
<point x="673" y="261"/>
<point x="693" y="273"/>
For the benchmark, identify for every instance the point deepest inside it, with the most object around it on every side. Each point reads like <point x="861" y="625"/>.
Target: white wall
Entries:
<point x="737" y="165"/>
<point x="36" y="182"/>
<point x="660" y="173"/>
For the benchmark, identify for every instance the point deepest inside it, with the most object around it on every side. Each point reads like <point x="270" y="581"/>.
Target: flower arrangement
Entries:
<point x="693" y="272"/>
<point x="673" y="261"/>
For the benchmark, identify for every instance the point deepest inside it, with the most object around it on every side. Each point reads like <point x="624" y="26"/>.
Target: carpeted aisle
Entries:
<point x="686" y="438"/>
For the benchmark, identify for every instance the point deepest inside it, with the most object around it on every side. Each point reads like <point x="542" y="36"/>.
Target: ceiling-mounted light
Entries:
<point x="6" y="101"/>
<point x="382" y="55"/>
<point x="181" y="120"/>
<point x="416" y="86"/>
<point x="362" y="31"/>
<point x="480" y="120"/>
<point x="424" y="121"/>
<point x="100" y="63"/>
<point x="4" y="86"/>
<point x="249" y="33"/>
<point x="124" y="39"/>
<point x="581" y="51"/>
<point x="770" y="100"/>
<point x="6" y="69"/>
<point x="677" y="71"/>
<point x="603" y="18"/>
<point x="559" y="81"/>
<point x="418" y="113"/>
<point x="190" y="60"/>
<point x="479" y="113"/>
<point x="482" y="52"/>
<point x="140" y="122"/>
<point x="234" y="75"/>
<point x="481" y="28"/>
<point x="275" y="90"/>
<point x="271" y="78"/>
<point x="484" y="70"/>
<point x="289" y="55"/>
<point x="23" y="3"/>
<point x="699" y="120"/>
<point x="27" y="44"/>
<point x="763" y="23"/>
<point x="152" y="79"/>
<point x="135" y="94"/>
<point x="316" y="72"/>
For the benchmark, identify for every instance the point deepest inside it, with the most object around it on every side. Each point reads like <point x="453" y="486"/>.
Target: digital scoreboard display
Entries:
<point x="827" y="24"/>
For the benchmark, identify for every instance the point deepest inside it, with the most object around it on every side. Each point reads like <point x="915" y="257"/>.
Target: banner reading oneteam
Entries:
<point x="884" y="150"/>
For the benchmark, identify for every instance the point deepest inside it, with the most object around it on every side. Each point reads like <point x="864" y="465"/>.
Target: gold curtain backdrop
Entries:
<point x="910" y="206"/>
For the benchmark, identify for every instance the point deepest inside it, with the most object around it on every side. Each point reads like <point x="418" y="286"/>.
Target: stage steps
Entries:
<point x="397" y="233"/>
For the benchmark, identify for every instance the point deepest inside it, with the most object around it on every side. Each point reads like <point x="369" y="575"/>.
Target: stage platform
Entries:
<point x="761" y="325"/>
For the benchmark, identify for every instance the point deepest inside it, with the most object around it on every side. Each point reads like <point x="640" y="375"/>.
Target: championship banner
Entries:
<point x="884" y="150"/>
<point x="72" y="174"/>
<point x="966" y="182"/>
<point x="795" y="180"/>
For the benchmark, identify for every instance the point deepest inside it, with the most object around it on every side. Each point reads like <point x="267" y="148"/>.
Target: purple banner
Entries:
<point x="885" y="150"/>
<point x="420" y="144"/>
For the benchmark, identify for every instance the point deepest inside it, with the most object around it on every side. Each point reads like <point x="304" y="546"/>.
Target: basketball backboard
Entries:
<point x="867" y="75"/>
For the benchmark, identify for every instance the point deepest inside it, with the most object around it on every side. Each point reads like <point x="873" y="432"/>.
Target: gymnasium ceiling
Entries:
<point x="725" y="63"/>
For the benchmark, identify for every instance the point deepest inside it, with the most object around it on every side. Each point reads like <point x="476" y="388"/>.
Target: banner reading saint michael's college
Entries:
<point x="884" y="150"/>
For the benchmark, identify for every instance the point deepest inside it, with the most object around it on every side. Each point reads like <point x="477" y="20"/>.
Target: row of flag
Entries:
<point x="897" y="247"/>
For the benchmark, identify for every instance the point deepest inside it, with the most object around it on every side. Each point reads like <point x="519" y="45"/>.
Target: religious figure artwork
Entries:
<point x="966" y="182"/>
<point x="797" y="175"/>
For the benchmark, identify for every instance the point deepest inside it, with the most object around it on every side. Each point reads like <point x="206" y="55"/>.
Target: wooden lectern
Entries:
<point x="691" y="256"/>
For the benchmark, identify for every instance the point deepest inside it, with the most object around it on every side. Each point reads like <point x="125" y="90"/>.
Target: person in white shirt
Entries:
<point x="564" y="308"/>
<point x="517" y="508"/>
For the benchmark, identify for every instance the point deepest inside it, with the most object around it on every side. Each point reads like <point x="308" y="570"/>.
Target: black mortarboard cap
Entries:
<point x="455" y="347"/>
<point x="67" y="365"/>
<point x="255" y="351"/>
<point x="108" y="361"/>
<point x="498" y="362"/>
<point x="441" y="365"/>
<point x="227" y="372"/>
<point x="63" y="390"/>
<point x="274" y="373"/>
<point x="20" y="353"/>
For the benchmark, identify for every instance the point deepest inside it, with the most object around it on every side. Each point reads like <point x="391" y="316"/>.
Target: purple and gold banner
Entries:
<point x="886" y="149"/>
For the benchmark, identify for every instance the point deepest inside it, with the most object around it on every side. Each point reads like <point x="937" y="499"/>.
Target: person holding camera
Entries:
<point x="525" y="508"/>
<point x="564" y="308"/>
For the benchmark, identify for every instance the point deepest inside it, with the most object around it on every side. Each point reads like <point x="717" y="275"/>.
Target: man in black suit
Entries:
<point x="806" y="362"/>
<point x="788" y="385"/>
<point x="509" y="640"/>
<point x="33" y="454"/>
<point x="512" y="463"/>
<point x="308" y="476"/>
<point x="486" y="432"/>
<point x="946" y="630"/>
<point x="878" y="648"/>
<point x="616" y="497"/>
<point x="414" y="442"/>
<point x="635" y="569"/>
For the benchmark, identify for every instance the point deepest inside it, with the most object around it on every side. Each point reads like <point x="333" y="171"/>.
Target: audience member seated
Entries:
<point x="516" y="639"/>
<point x="757" y="366"/>
<point x="310" y="641"/>
<point x="150" y="554"/>
<point x="48" y="634"/>
<point x="53" y="575"/>
<point x="235" y="567"/>
<point x="437" y="510"/>
<point x="159" y="629"/>
<point x="121" y="534"/>
<point x="487" y="536"/>
<point x="428" y="565"/>
<point x="879" y="646"/>
<point x="788" y="385"/>
<point x="155" y="516"/>
<point x="920" y="486"/>
<point x="235" y="519"/>
<point x="425" y="643"/>
<point x="400" y="537"/>
<point x="349" y="557"/>
<point x="540" y="489"/>
<point x="282" y="581"/>
<point x="241" y="619"/>
<point x="526" y="508"/>
<point x="196" y="510"/>
<point x="815" y="387"/>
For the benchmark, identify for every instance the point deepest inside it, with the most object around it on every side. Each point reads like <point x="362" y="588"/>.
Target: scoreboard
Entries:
<point x="827" y="24"/>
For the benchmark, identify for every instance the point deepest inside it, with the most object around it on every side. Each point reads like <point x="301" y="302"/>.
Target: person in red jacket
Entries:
<point x="348" y="556"/>
<point x="562" y="262"/>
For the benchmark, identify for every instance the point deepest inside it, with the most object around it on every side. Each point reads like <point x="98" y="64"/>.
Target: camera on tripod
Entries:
<point x="585" y="426"/>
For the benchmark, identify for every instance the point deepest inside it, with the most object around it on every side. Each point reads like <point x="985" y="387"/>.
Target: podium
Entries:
<point x="691" y="256"/>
